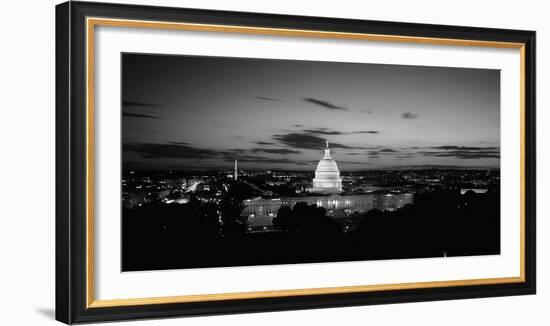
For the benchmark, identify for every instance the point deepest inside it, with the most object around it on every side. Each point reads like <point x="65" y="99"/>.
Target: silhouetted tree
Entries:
<point x="211" y="220"/>
<point x="283" y="218"/>
<point x="231" y="207"/>
<point x="305" y="218"/>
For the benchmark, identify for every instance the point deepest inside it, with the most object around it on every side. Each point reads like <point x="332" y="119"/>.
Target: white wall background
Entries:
<point x="27" y="189"/>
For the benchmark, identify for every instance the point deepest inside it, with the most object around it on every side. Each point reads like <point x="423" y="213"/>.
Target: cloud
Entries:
<point x="307" y="141"/>
<point x="327" y="131"/>
<point x="366" y="132"/>
<point x="139" y="104"/>
<point x="464" y="155"/>
<point x="179" y="143"/>
<point x="242" y="156"/>
<point x="462" y="152"/>
<point x="409" y="115"/>
<point x="126" y="114"/>
<point x="352" y="162"/>
<point x="300" y="140"/>
<point x="404" y="156"/>
<point x="239" y="155"/>
<point x="139" y="115"/>
<point x="267" y="160"/>
<point x="338" y="145"/>
<point x="464" y="148"/>
<point x="266" y="98"/>
<point x="183" y="150"/>
<point x="324" y="104"/>
<point x="323" y="131"/>
<point x="274" y="151"/>
<point x="377" y="152"/>
<point x="170" y="150"/>
<point x="264" y="143"/>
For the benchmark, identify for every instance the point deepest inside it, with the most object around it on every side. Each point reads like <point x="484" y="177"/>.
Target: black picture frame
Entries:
<point x="72" y="299"/>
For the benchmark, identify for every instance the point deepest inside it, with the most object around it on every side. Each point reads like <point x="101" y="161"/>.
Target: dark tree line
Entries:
<point x="198" y="234"/>
<point x="157" y="233"/>
<point x="305" y="218"/>
<point x="439" y="223"/>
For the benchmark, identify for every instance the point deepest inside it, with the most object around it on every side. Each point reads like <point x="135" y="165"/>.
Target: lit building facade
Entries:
<point x="260" y="211"/>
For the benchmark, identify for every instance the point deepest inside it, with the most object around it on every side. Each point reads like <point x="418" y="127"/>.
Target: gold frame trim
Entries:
<point x="92" y="22"/>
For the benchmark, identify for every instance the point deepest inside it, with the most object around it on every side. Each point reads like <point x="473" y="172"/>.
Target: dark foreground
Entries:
<point x="164" y="236"/>
<point x="440" y="224"/>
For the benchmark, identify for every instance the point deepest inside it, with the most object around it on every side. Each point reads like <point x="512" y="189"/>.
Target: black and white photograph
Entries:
<point x="232" y="161"/>
<point x="275" y="163"/>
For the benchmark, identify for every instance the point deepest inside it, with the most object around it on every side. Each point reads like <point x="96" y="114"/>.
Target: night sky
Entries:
<point x="193" y="112"/>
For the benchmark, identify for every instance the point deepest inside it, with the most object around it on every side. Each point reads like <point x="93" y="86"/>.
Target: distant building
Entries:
<point x="475" y="190"/>
<point x="261" y="211"/>
<point x="328" y="185"/>
<point x="133" y="199"/>
<point x="327" y="176"/>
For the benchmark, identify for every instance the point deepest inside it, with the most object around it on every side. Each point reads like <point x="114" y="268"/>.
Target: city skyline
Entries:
<point x="188" y="112"/>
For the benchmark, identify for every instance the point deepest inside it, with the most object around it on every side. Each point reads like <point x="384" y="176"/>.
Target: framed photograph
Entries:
<point x="222" y="162"/>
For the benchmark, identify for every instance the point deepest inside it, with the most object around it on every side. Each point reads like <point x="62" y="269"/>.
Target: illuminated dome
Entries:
<point x="327" y="176"/>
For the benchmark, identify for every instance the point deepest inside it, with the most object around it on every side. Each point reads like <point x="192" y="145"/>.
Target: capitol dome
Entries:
<point x="327" y="176"/>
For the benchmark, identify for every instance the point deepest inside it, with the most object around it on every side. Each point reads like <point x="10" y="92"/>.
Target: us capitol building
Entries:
<point x="327" y="176"/>
<point x="325" y="192"/>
